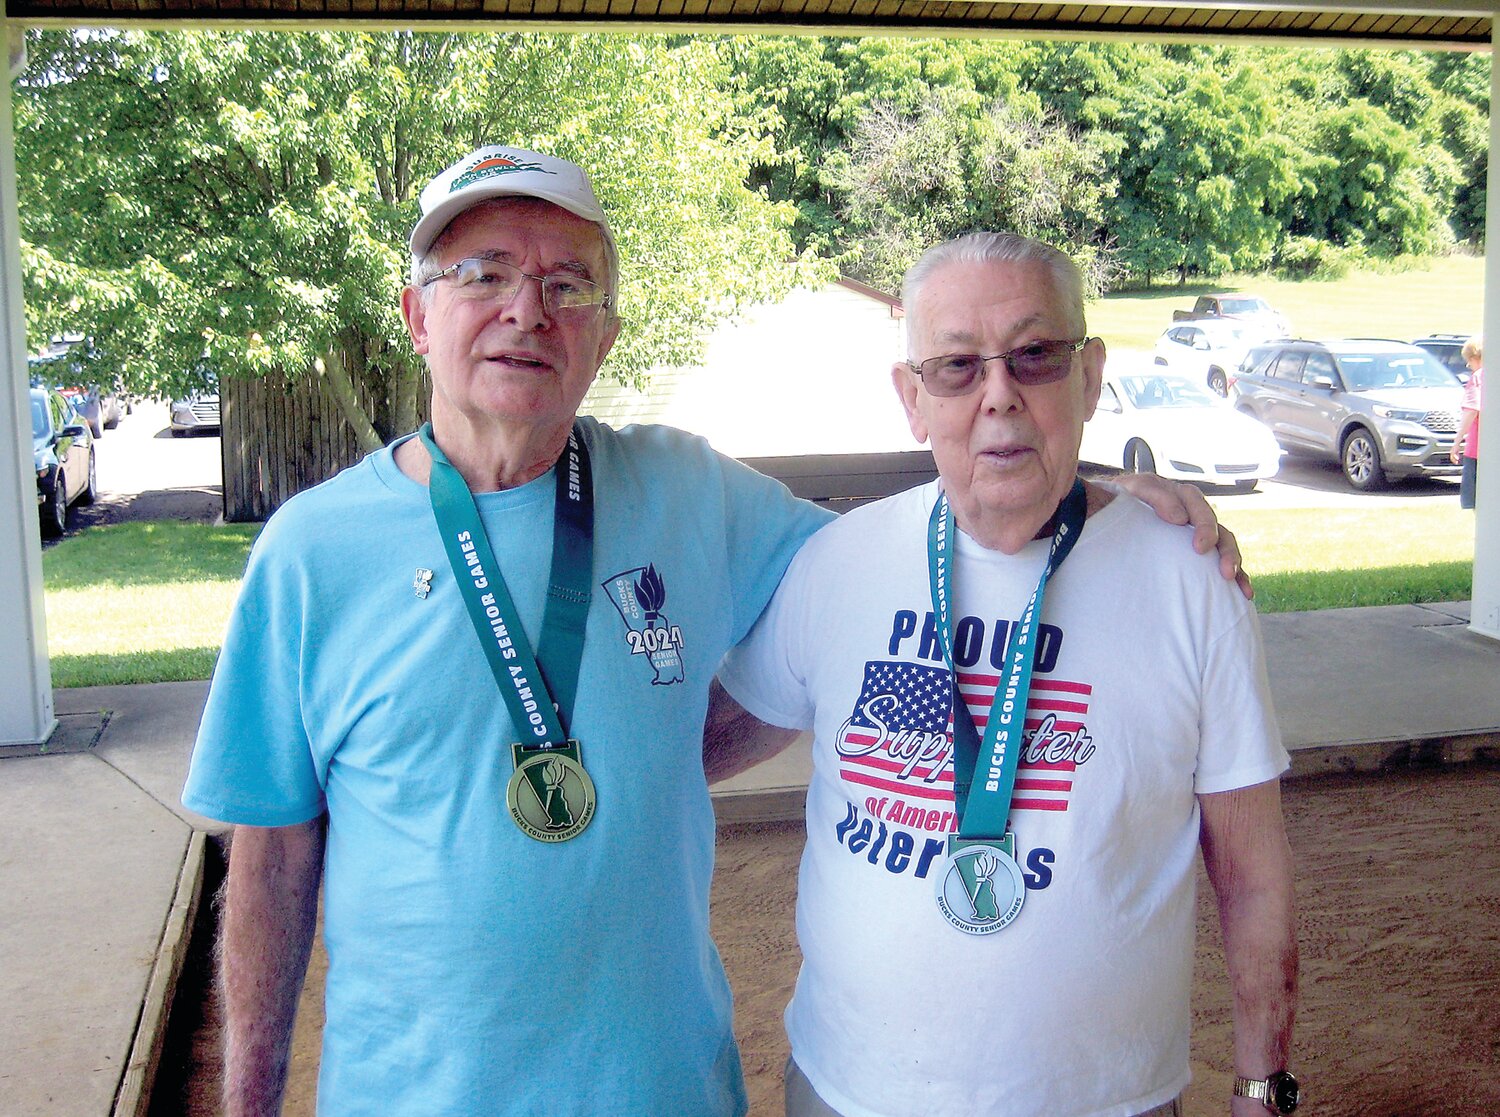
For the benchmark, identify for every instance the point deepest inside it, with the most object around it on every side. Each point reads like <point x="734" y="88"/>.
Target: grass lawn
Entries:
<point x="148" y="602"/>
<point x="141" y="602"/>
<point x="1330" y="558"/>
<point x="1445" y="297"/>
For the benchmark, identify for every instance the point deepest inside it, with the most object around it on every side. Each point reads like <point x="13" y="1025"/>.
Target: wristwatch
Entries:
<point x="1280" y="1092"/>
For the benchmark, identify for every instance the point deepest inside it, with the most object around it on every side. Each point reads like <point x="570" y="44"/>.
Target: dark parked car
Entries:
<point x="1449" y="351"/>
<point x="63" y="450"/>
<point x="61" y="367"/>
<point x="1381" y="409"/>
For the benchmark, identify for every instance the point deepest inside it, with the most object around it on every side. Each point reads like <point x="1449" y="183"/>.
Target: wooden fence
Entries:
<point x="280" y="437"/>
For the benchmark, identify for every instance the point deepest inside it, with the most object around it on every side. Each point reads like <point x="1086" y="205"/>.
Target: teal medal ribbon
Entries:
<point x="550" y="795"/>
<point x="981" y="890"/>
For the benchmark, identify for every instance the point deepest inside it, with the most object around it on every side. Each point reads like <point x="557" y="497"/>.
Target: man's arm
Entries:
<point x="270" y="909"/>
<point x="1249" y="864"/>
<point x="735" y="740"/>
<point x="1183" y="504"/>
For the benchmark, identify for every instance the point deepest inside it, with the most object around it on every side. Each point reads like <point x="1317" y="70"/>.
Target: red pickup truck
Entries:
<point x="1246" y="308"/>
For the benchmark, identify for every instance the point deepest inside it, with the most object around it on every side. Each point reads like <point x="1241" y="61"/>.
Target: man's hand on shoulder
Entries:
<point x="1183" y="504"/>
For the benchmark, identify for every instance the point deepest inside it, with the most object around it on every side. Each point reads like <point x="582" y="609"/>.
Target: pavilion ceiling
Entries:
<point x="1424" y="26"/>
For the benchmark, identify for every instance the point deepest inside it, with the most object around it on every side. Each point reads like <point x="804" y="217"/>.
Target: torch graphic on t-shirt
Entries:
<point x="640" y="595"/>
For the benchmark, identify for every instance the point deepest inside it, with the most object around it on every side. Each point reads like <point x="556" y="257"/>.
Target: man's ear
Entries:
<point x="908" y="390"/>
<point x="607" y="342"/>
<point x="415" y="316"/>
<point x="1093" y="375"/>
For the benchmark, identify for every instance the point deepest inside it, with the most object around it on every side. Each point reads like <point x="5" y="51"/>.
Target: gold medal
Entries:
<point x="550" y="796"/>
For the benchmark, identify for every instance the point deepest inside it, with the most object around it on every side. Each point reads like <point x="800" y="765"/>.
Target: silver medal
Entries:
<point x="981" y="889"/>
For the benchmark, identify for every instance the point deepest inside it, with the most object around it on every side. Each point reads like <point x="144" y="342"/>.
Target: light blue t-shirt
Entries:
<point x="472" y="969"/>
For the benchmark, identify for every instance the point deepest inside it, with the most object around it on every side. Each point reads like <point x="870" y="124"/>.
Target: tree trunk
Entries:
<point x="333" y="368"/>
<point x="405" y="384"/>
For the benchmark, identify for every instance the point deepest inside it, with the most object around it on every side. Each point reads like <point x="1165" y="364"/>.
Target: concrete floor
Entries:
<point x="100" y="864"/>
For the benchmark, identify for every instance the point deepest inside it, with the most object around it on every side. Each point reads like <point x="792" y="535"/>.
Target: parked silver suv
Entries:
<point x="1381" y="409"/>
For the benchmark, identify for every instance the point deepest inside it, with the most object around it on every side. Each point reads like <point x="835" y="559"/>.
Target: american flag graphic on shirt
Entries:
<point x="896" y="739"/>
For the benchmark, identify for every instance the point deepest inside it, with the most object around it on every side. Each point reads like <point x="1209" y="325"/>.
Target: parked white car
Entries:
<point x="1207" y="351"/>
<point x="1156" y="422"/>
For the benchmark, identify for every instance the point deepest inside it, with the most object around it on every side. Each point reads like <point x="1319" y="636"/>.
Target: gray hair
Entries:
<point x="425" y="265"/>
<point x="991" y="248"/>
<point x="1473" y="349"/>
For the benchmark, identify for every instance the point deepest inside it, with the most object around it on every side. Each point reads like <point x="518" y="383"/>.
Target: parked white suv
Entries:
<point x="1207" y="350"/>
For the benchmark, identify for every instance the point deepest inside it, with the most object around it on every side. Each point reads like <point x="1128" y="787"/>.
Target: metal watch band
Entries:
<point x="1258" y="1089"/>
<point x="1279" y="1092"/>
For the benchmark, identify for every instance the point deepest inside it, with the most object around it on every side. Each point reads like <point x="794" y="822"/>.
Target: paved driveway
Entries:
<point x="146" y="474"/>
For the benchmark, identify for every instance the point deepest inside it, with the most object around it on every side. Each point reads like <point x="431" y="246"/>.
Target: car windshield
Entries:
<point x="38" y="417"/>
<point x="1244" y="306"/>
<point x="1165" y="391"/>
<point x="1365" y="372"/>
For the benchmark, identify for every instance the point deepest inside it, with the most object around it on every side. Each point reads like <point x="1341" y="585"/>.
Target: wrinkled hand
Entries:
<point x="1183" y="504"/>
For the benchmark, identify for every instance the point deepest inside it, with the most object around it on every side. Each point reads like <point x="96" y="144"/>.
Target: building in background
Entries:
<point x="808" y="375"/>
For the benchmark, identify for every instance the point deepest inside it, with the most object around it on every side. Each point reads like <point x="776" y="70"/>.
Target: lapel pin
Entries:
<point x="423" y="582"/>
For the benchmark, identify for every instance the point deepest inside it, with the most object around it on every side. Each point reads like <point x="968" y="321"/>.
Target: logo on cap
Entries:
<point x="492" y="166"/>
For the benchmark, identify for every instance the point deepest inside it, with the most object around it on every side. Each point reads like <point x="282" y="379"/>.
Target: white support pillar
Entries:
<point x="26" y="716"/>
<point x="1485" y="609"/>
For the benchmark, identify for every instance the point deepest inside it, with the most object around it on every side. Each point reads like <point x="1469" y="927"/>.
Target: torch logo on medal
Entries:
<point x="982" y="889"/>
<point x="550" y="796"/>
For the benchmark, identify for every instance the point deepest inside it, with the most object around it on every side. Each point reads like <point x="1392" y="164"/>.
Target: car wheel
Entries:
<point x="54" y="512"/>
<point x="1361" y="461"/>
<point x="1138" y="458"/>
<point x="1245" y="486"/>
<point x="178" y="432"/>
<point x="91" y="490"/>
<point x="1217" y="382"/>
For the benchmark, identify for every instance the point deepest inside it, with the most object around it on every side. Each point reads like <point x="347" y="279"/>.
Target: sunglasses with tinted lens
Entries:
<point x="1037" y="362"/>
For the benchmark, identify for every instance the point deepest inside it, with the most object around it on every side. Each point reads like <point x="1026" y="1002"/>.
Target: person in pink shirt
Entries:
<point x="1466" y="443"/>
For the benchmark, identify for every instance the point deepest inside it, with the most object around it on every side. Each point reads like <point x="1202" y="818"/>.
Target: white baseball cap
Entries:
<point x="499" y="172"/>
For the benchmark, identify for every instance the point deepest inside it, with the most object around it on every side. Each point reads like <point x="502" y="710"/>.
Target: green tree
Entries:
<point x="240" y="202"/>
<point x="1202" y="170"/>
<point x="815" y="94"/>
<point x="1390" y="159"/>
<point x="917" y="178"/>
<point x="1366" y="185"/>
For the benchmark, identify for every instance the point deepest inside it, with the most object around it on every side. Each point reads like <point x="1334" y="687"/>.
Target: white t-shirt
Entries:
<point x="1149" y="689"/>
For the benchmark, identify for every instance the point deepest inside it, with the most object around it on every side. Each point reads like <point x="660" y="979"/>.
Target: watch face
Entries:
<point x="1284" y="1091"/>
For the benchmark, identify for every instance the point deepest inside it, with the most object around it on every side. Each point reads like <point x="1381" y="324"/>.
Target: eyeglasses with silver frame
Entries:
<point x="483" y="278"/>
<point x="1036" y="362"/>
